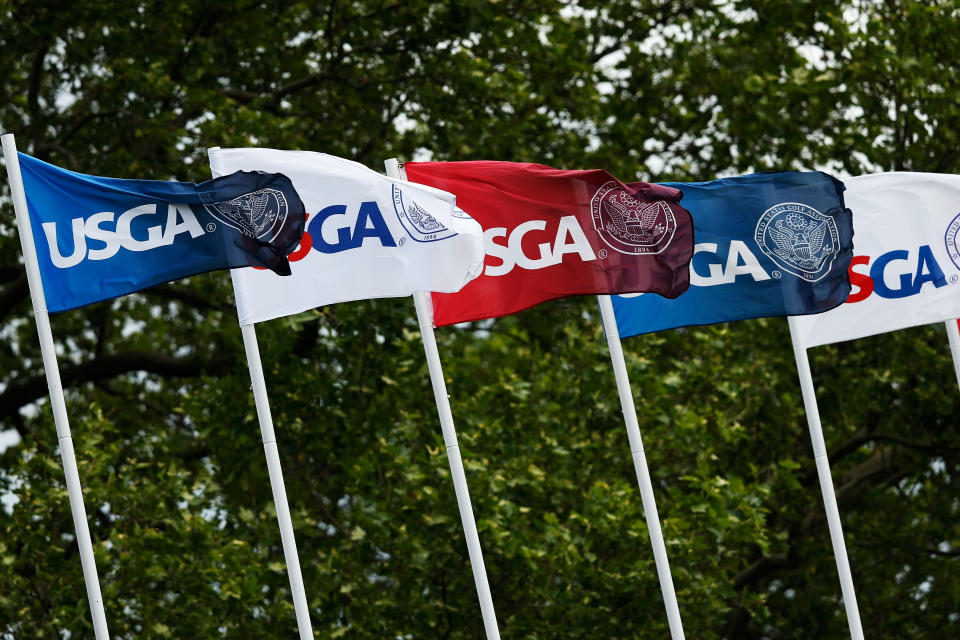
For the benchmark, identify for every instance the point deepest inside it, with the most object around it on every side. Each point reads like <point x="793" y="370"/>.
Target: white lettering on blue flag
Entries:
<point x="768" y="244"/>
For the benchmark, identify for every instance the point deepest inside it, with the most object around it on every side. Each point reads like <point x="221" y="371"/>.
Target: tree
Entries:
<point x="167" y="440"/>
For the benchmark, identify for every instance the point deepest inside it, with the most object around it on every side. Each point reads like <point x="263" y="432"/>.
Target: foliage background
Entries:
<point x="174" y="479"/>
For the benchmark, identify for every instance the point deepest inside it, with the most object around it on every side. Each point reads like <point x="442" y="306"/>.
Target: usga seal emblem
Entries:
<point x="421" y="226"/>
<point x="800" y="239"/>
<point x="259" y="214"/>
<point x="629" y="225"/>
<point x="951" y="238"/>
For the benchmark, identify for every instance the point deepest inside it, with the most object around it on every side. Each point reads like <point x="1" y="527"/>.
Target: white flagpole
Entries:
<point x="826" y="483"/>
<point x="269" y="438"/>
<point x="425" y="318"/>
<point x="424" y="307"/>
<point x="57" y="403"/>
<point x="953" y="332"/>
<point x="640" y="466"/>
<point x="276" y="481"/>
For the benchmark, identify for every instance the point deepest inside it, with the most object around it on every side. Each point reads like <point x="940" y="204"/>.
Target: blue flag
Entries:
<point x="99" y="238"/>
<point x="767" y="244"/>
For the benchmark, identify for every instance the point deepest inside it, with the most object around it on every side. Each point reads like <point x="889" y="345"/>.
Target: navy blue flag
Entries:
<point x="99" y="238"/>
<point x="767" y="244"/>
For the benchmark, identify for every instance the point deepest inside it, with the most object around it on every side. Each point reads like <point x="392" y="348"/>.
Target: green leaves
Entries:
<point x="175" y="484"/>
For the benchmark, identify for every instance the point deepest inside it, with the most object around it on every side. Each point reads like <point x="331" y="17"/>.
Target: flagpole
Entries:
<point x="953" y="333"/>
<point x="826" y="483"/>
<point x="57" y="403"/>
<point x="424" y="308"/>
<point x="425" y="318"/>
<point x="640" y="466"/>
<point x="276" y="481"/>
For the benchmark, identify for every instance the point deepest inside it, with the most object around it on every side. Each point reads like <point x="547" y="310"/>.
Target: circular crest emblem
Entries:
<point x="421" y="226"/>
<point x="799" y="239"/>
<point x="951" y="238"/>
<point x="259" y="214"/>
<point x="631" y="226"/>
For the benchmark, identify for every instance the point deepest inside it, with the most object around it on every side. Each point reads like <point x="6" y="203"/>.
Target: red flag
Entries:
<point x="550" y="233"/>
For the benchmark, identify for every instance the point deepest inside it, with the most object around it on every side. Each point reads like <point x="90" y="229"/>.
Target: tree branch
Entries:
<point x="883" y="467"/>
<point x="110" y="365"/>
<point x="84" y="121"/>
<point x="270" y="101"/>
<point x="764" y="565"/>
<point x="33" y="95"/>
<point x="864" y="437"/>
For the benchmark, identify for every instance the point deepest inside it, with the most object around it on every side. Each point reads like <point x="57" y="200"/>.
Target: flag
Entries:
<point x="907" y="260"/>
<point x="99" y="238"/>
<point x="550" y="233"/>
<point x="768" y="244"/>
<point x="368" y="236"/>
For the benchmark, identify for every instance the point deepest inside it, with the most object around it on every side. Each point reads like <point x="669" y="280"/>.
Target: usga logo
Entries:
<point x="895" y="274"/>
<point x="340" y="235"/>
<point x="179" y="219"/>
<point x="259" y="214"/>
<point x="568" y="238"/>
<point x="625" y="224"/>
<point x="334" y="229"/>
<point x="796" y="237"/>
<point x="740" y="262"/>
<point x="899" y="274"/>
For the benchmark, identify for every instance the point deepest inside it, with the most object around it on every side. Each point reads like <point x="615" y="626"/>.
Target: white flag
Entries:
<point x="906" y="245"/>
<point x="367" y="236"/>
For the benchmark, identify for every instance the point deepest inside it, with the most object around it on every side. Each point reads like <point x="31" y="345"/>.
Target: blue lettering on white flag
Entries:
<point x="767" y="244"/>
<point x="99" y="238"/>
<point x="369" y="224"/>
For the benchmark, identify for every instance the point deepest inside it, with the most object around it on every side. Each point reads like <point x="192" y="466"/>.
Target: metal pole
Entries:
<point x="953" y="333"/>
<point x="640" y="466"/>
<point x="425" y="318"/>
<point x="826" y="484"/>
<point x="57" y="404"/>
<point x="276" y="481"/>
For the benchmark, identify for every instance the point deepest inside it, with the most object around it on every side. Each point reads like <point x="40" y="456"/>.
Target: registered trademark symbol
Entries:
<point x="776" y="274"/>
<point x="211" y="227"/>
<point x="403" y="241"/>
<point x="603" y="253"/>
<point x="953" y="278"/>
